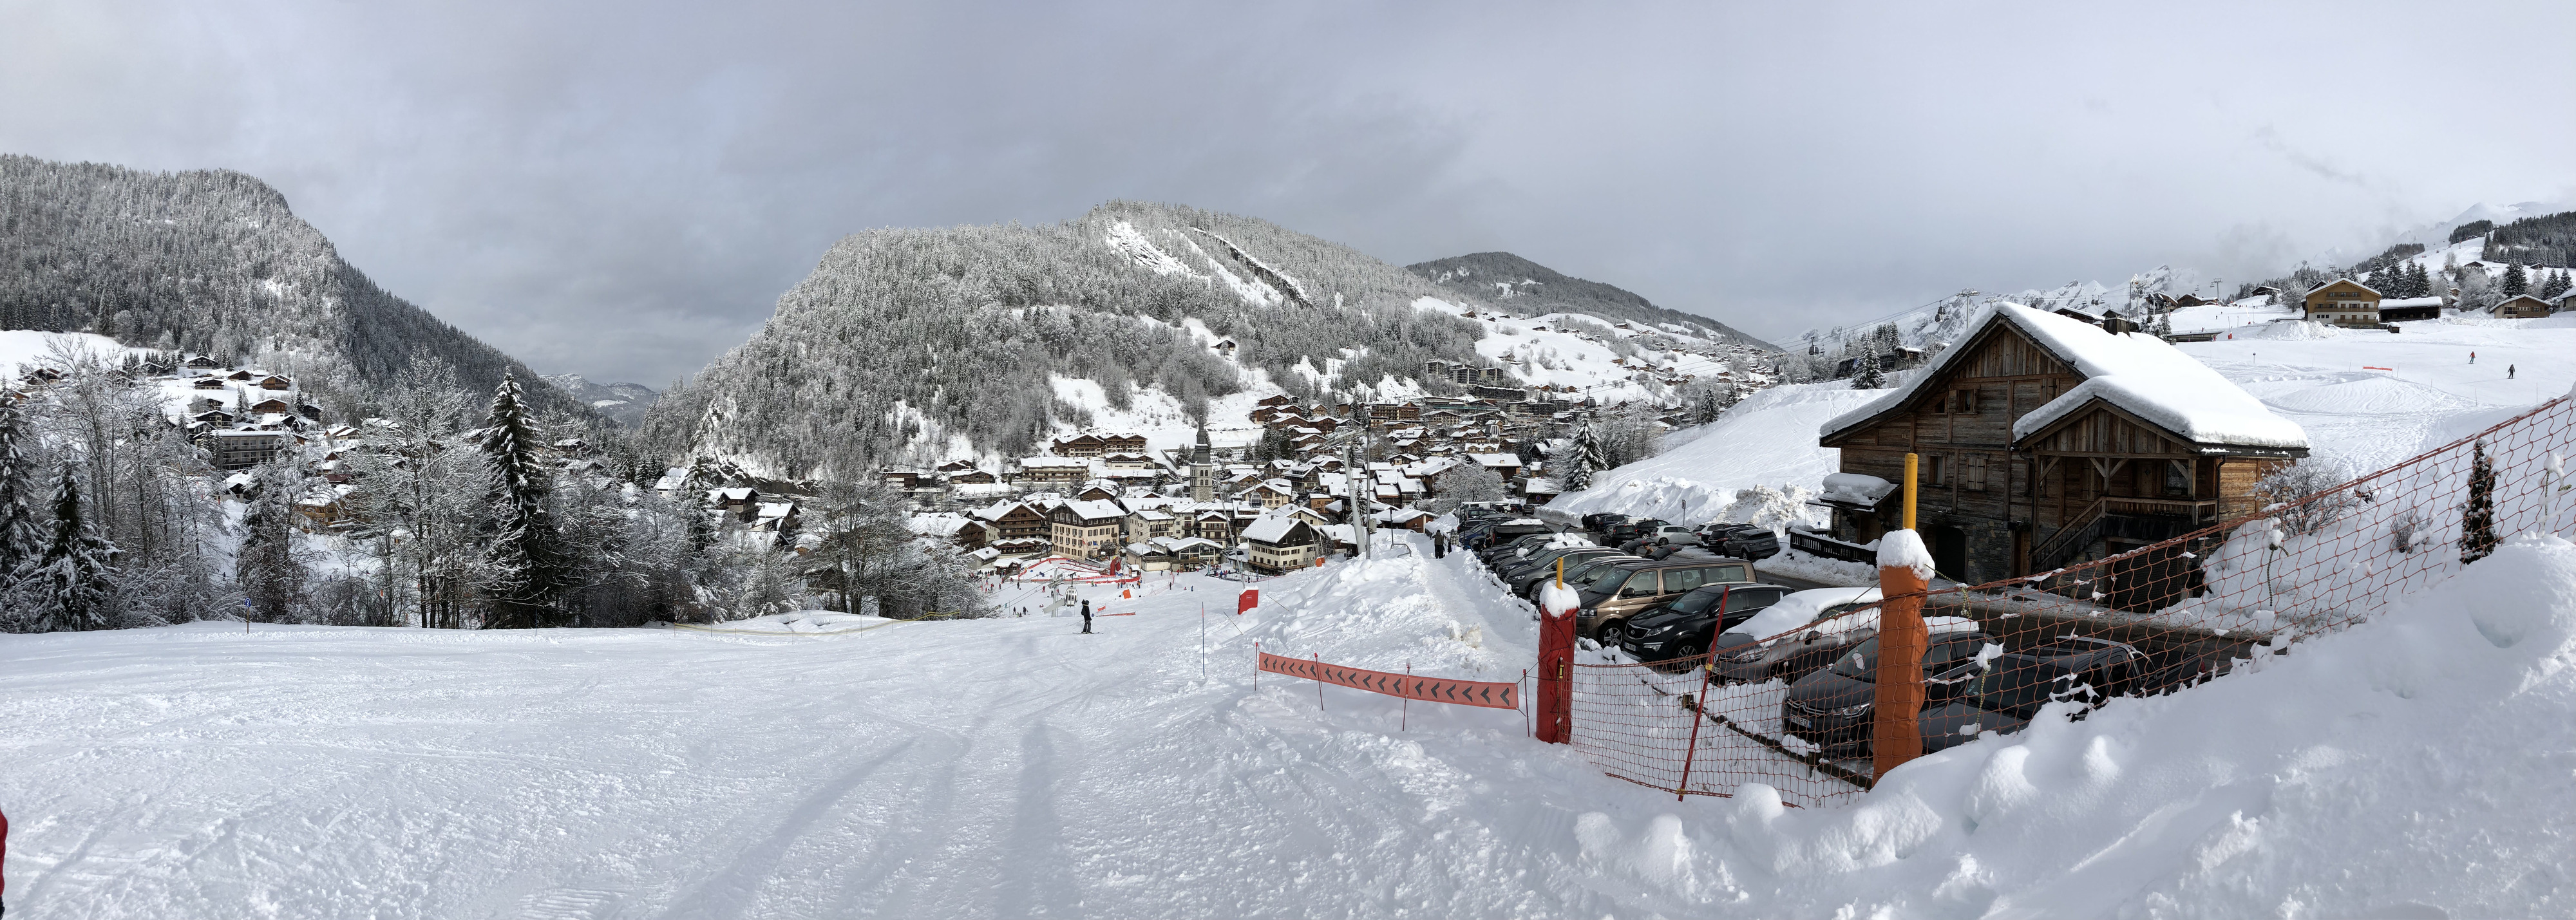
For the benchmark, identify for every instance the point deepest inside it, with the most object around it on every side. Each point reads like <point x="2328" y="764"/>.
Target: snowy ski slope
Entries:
<point x="1011" y="768"/>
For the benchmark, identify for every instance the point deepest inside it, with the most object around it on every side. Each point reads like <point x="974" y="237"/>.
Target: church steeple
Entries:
<point x="1203" y="469"/>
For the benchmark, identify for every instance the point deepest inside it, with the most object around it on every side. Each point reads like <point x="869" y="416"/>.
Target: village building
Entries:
<point x="2406" y="309"/>
<point x="1086" y="529"/>
<point x="2044" y="441"/>
<point x="1017" y="521"/>
<point x="243" y="449"/>
<point x="1280" y="543"/>
<point x="2343" y="302"/>
<point x="1043" y="470"/>
<point x="2522" y="306"/>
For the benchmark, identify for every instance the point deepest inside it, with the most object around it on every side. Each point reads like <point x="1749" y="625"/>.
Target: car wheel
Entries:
<point x="1613" y="633"/>
<point x="1687" y="650"/>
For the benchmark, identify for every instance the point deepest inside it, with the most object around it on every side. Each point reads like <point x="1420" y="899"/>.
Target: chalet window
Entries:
<point x="1936" y="476"/>
<point x="1976" y="472"/>
<point x="2176" y="481"/>
<point x="1964" y="400"/>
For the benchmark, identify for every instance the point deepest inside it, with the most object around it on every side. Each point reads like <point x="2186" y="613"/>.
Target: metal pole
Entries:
<point x="1319" y="680"/>
<point x="1699" y="713"/>
<point x="1405" y="715"/>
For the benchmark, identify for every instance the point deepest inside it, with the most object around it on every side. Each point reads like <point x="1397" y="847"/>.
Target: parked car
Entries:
<point x="1579" y="574"/>
<point x="1831" y="708"/>
<point x="1829" y="620"/>
<point x="1682" y="629"/>
<point x="1756" y="543"/>
<point x="1630" y="529"/>
<point x="1545" y="562"/>
<point x="1511" y="548"/>
<point x="2002" y="696"/>
<point x="1600" y="521"/>
<point x="1609" y="602"/>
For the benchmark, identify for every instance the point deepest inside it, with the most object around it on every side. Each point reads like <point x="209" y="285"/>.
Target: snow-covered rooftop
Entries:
<point x="2134" y="371"/>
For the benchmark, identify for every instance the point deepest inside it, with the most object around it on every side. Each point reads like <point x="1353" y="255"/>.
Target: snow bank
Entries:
<point x="2416" y="767"/>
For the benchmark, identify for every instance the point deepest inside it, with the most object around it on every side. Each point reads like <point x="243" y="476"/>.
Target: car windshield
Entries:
<point x="1862" y="664"/>
<point x="1697" y="601"/>
<point x="1595" y="574"/>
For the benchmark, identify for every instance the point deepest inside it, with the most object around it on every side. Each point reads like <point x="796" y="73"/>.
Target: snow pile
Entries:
<point x="1856" y="488"/>
<point x="1767" y="440"/>
<point x="1903" y="549"/>
<point x="2418" y="767"/>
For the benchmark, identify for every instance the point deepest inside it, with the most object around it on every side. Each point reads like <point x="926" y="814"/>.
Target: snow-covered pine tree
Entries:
<point x="1585" y="458"/>
<point x="2477" y="518"/>
<point x="1868" y="376"/>
<point x="2419" y="283"/>
<point x="20" y="539"/>
<point x="2552" y="286"/>
<point x="73" y="584"/>
<point x="526" y="567"/>
<point x="271" y="579"/>
<point x="2516" y="281"/>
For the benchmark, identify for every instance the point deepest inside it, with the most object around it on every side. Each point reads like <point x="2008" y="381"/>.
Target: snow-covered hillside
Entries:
<point x="1767" y="440"/>
<point x="2412" y="767"/>
<point x="2366" y="398"/>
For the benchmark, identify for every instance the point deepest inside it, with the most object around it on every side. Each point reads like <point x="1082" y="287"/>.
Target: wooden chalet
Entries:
<point x="2522" y="306"/>
<point x="1020" y="521"/>
<point x="2044" y="441"/>
<point x="2343" y="302"/>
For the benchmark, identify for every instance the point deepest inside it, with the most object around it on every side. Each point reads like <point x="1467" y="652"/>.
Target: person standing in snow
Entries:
<point x="2508" y="372"/>
<point x="2473" y="357"/>
<point x="1086" y="618"/>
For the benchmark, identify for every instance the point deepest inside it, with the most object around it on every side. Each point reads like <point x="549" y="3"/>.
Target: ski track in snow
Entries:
<point x="1012" y="768"/>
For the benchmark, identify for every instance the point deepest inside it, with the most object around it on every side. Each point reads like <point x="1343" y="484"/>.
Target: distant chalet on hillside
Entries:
<point x="2344" y="302"/>
<point x="2044" y="440"/>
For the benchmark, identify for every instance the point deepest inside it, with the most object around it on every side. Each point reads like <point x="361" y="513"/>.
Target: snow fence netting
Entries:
<point x="2139" y="620"/>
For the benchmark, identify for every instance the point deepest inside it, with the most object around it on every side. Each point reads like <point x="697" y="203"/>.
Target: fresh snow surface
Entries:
<point x="23" y="349"/>
<point x="1769" y="439"/>
<point x="2415" y="766"/>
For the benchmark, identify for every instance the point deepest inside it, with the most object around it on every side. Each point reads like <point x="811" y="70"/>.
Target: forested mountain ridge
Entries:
<point x="909" y="345"/>
<point x="623" y="403"/>
<point x="214" y="262"/>
<point x="1523" y="286"/>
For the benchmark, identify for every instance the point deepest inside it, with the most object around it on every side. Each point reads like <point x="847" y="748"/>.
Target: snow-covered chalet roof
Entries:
<point x="1273" y="528"/>
<point x="2133" y="371"/>
<point x="1095" y="510"/>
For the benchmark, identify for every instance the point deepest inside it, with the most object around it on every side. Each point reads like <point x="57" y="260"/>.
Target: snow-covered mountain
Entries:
<point x="213" y="262"/>
<point x="1522" y="286"/>
<point x="624" y="403"/>
<point x="916" y="346"/>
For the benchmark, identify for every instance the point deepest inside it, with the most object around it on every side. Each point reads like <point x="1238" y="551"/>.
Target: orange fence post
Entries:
<point x="1556" y="661"/>
<point x="1904" y="566"/>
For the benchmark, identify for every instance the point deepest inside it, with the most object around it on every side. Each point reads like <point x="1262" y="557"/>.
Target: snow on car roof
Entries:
<point x="2134" y="371"/>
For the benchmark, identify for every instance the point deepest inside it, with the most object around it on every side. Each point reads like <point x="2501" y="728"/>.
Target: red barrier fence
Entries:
<point x="1429" y="689"/>
<point x="2151" y="615"/>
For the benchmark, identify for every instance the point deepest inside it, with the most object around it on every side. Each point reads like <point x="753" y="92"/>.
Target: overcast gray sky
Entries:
<point x="624" y="189"/>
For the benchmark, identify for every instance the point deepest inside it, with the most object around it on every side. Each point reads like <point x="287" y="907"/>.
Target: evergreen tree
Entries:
<point x="2553" y="286"/>
<point x="2419" y="283"/>
<point x="73" y="584"/>
<point x="271" y="579"/>
<point x="527" y="568"/>
<point x="1868" y="376"/>
<point x="2516" y="281"/>
<point x="1585" y="459"/>
<point x="20" y="539"/>
<point x="2477" y="519"/>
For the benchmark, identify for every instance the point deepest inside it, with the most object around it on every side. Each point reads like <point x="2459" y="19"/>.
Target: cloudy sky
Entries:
<point x="623" y="189"/>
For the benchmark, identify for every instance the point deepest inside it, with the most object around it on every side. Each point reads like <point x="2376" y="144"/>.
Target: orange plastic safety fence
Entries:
<point x="2157" y="604"/>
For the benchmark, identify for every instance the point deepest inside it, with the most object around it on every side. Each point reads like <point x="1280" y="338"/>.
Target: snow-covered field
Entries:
<point x="2419" y="766"/>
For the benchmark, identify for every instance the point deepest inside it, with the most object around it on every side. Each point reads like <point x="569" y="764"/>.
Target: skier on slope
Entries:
<point x="1086" y="618"/>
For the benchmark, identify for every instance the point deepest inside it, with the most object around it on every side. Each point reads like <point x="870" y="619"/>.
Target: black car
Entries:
<point x="1756" y="543"/>
<point x="1545" y="563"/>
<point x="1831" y="708"/>
<point x="1510" y="549"/>
<point x="1631" y="529"/>
<point x="1683" y="628"/>
<point x="1963" y="697"/>
<point x="1600" y="520"/>
<point x="1578" y="573"/>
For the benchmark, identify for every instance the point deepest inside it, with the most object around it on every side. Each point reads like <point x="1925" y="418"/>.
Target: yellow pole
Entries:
<point x="1909" y="491"/>
<point x="1560" y="572"/>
